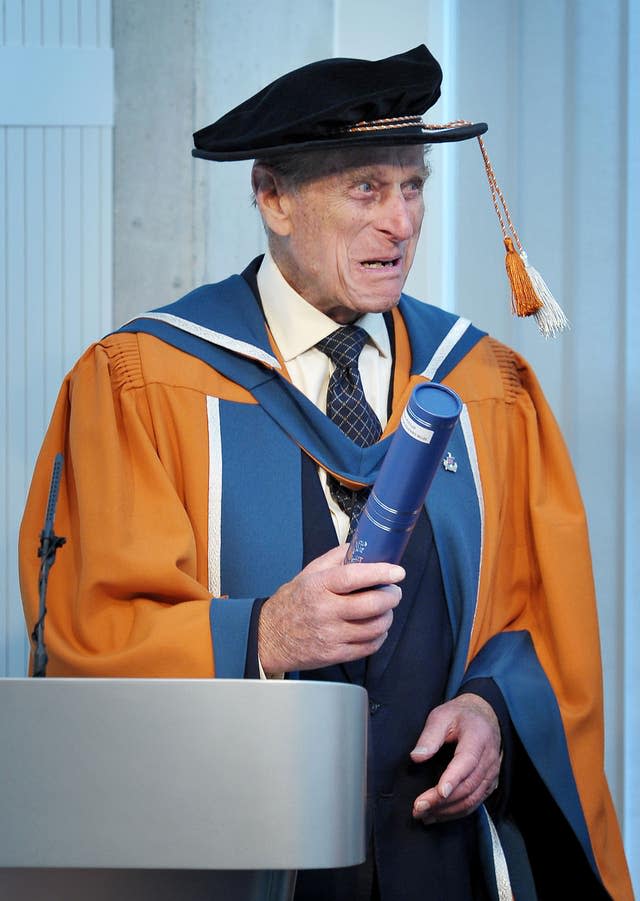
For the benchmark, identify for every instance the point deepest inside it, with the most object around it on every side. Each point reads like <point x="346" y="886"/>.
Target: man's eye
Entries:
<point x="414" y="187"/>
<point x="365" y="187"/>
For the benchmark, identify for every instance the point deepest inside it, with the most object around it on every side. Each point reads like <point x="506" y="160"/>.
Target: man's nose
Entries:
<point x="396" y="218"/>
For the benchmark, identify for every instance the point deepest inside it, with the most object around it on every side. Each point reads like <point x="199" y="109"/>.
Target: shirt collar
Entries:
<point x="283" y="305"/>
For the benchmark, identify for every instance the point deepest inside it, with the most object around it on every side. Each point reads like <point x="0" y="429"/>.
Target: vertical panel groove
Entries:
<point x="63" y="280"/>
<point x="621" y="96"/>
<point x="101" y="235"/>
<point x="43" y="263"/>
<point x="631" y="588"/>
<point x="568" y="286"/>
<point x="82" y="299"/>
<point x="4" y="475"/>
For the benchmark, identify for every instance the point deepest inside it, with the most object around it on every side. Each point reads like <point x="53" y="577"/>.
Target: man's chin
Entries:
<point x="380" y="303"/>
<point x="345" y="315"/>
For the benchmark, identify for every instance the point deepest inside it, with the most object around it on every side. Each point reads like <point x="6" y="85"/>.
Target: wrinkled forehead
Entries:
<point x="313" y="165"/>
<point x="365" y="157"/>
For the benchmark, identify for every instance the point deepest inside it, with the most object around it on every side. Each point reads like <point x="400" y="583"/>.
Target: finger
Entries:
<point x="356" y="576"/>
<point x="425" y="803"/>
<point x="469" y="771"/>
<point x="476" y="759"/>
<point x="464" y="767"/>
<point x="368" y="629"/>
<point x="482" y="784"/>
<point x="436" y="731"/>
<point x="358" y="650"/>
<point x="431" y="802"/>
<point x="430" y="808"/>
<point x="368" y="604"/>
<point x="451" y="798"/>
<point x="333" y="557"/>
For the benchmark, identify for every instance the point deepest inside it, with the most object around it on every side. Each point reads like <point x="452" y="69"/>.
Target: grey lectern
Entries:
<point x="177" y="790"/>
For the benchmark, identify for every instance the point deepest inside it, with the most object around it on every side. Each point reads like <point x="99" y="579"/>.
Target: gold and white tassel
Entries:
<point x="550" y="317"/>
<point x="530" y="295"/>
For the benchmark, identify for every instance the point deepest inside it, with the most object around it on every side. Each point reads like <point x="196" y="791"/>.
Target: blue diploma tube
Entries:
<point x="399" y="492"/>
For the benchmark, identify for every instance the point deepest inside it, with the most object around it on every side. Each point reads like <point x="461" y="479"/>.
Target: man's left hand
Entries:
<point x="472" y="774"/>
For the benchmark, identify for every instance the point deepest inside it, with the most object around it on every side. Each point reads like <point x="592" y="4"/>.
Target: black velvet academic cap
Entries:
<point x="335" y="103"/>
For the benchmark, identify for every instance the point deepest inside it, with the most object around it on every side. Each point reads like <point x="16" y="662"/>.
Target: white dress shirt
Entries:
<point x="297" y="327"/>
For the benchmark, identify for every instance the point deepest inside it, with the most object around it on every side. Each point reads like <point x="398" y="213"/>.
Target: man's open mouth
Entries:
<point x="381" y="264"/>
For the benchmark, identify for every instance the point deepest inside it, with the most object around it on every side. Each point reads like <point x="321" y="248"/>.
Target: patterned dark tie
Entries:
<point x="348" y="408"/>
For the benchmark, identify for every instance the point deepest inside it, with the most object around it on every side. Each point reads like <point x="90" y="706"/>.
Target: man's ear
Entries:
<point x="272" y="199"/>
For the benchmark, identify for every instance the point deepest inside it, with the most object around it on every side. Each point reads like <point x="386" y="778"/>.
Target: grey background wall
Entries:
<point x="559" y="84"/>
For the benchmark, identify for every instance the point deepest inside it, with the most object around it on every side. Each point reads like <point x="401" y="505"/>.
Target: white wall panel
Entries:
<point x="543" y="130"/>
<point x="7" y="583"/>
<point x="437" y="261"/>
<point x="15" y="362"/>
<point x="33" y="289"/>
<point x="595" y="416"/>
<point x="56" y="85"/>
<point x="32" y="22"/>
<point x="51" y="27"/>
<point x="70" y="23"/>
<point x="53" y="306"/>
<point x="55" y="23"/>
<point x="55" y="238"/>
<point x="629" y="733"/>
<point x="72" y="227"/>
<point x="13" y="22"/>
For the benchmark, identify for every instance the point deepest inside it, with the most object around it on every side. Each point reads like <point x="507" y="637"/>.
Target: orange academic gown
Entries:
<point x="144" y="426"/>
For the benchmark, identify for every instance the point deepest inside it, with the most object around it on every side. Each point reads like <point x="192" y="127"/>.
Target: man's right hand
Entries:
<point x="329" y="613"/>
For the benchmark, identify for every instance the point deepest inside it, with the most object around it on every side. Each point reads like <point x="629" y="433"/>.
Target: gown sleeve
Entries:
<point x="536" y="631"/>
<point x="128" y="593"/>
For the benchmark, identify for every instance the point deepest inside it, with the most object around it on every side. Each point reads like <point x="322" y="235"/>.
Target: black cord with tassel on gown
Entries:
<point x="49" y="544"/>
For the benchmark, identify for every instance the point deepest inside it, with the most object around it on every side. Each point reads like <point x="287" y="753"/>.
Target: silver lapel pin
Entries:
<point x="450" y="463"/>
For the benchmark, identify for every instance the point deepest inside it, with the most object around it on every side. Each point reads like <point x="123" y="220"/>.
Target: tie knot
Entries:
<point x="343" y="346"/>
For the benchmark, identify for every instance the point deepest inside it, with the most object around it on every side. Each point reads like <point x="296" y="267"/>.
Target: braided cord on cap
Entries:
<point x="399" y="122"/>
<point x="383" y="124"/>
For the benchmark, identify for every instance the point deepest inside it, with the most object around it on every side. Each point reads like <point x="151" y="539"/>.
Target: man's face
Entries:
<point x="353" y="232"/>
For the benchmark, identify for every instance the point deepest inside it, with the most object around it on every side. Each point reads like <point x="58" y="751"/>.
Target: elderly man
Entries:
<point x="207" y="496"/>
